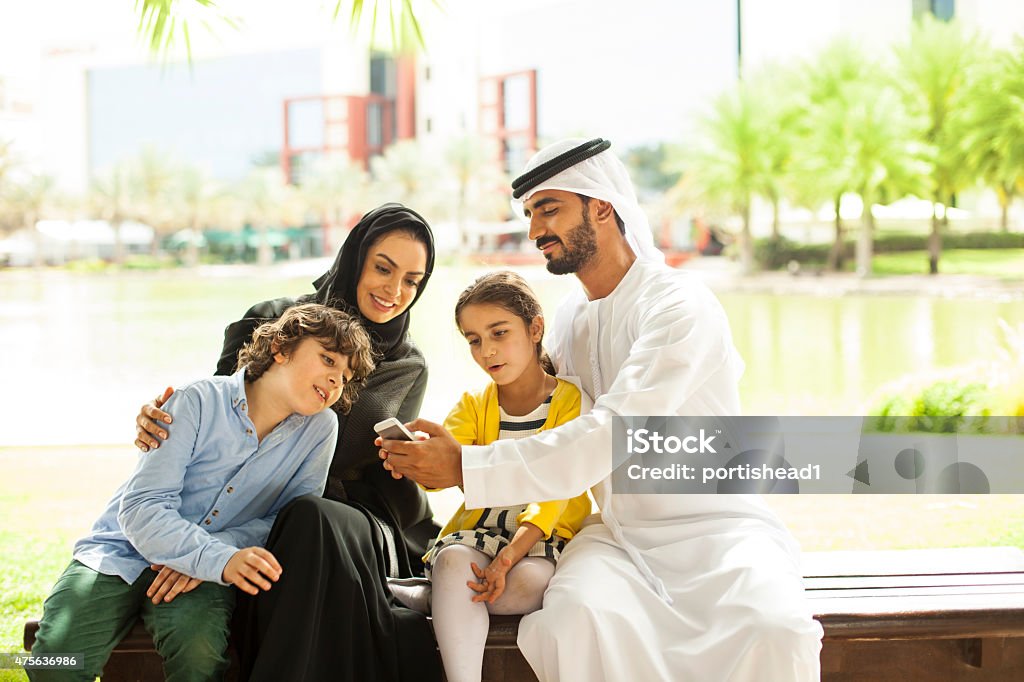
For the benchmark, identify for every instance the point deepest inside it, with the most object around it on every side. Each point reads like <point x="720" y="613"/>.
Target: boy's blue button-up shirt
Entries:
<point x="211" y="488"/>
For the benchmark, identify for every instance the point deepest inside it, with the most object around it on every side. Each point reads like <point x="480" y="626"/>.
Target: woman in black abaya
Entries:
<point x="330" y="616"/>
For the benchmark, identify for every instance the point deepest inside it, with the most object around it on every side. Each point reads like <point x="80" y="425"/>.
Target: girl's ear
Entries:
<point x="537" y="328"/>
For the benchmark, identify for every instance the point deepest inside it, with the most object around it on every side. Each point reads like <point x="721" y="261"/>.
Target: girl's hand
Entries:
<point x="490" y="582"/>
<point x="148" y="432"/>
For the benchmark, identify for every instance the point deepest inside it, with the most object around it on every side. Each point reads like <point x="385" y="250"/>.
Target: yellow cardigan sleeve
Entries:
<point x="462" y="421"/>
<point x="544" y="515"/>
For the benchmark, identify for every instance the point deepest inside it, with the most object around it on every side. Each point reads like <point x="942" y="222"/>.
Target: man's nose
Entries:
<point x="535" y="229"/>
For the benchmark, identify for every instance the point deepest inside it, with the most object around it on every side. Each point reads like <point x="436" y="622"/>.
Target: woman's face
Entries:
<point x="391" y="276"/>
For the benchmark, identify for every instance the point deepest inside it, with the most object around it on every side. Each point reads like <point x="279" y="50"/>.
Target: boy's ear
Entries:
<point x="537" y="328"/>
<point x="279" y="357"/>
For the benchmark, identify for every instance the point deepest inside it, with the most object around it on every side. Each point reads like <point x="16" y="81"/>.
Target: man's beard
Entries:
<point x="578" y="248"/>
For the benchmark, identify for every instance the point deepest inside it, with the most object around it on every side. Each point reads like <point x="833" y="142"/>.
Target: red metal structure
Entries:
<point x="512" y="124"/>
<point x="358" y="125"/>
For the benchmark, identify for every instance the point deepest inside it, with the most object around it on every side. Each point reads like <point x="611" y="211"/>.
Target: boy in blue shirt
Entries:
<point x="198" y="510"/>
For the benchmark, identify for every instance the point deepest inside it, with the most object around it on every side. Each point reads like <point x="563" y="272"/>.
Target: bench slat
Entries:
<point x="980" y="560"/>
<point x="1013" y="599"/>
<point x="1008" y="581"/>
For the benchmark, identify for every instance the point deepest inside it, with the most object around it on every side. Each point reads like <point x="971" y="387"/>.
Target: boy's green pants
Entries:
<point x="89" y="612"/>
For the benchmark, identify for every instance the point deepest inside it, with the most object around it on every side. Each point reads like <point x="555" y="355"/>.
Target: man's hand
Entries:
<point x="147" y="428"/>
<point x="435" y="462"/>
<point x="251" y="570"/>
<point x="169" y="583"/>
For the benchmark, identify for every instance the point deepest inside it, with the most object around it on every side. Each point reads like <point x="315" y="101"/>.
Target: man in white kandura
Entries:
<point x="660" y="587"/>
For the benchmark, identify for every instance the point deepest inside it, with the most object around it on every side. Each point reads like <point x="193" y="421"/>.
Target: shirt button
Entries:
<point x="214" y="512"/>
<point x="230" y="490"/>
<point x="248" y="432"/>
<point x="207" y="522"/>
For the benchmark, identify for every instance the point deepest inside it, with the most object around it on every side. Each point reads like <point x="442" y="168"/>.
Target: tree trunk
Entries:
<point x="192" y="248"/>
<point x="264" y="255"/>
<point x="115" y="224"/>
<point x="865" y="241"/>
<point x="747" y="265"/>
<point x="37" y="241"/>
<point x="934" y="243"/>
<point x="775" y="218"/>
<point x="835" y="255"/>
<point x="460" y="220"/>
<point x="1005" y="195"/>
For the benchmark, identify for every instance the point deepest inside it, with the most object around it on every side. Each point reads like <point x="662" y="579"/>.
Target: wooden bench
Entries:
<point x="900" y="616"/>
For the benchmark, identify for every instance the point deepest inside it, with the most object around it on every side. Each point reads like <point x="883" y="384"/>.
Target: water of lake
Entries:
<point x="80" y="353"/>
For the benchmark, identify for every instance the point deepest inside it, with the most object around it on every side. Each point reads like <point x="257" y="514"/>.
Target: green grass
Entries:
<point x="1006" y="264"/>
<point x="30" y="567"/>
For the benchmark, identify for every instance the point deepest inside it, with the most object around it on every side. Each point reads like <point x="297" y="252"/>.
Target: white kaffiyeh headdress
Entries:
<point x="588" y="168"/>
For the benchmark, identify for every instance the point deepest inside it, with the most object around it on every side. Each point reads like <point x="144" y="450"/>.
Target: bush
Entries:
<point x="944" y="406"/>
<point x="775" y="253"/>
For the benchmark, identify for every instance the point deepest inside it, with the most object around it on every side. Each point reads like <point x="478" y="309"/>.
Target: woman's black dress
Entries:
<point x="331" y="616"/>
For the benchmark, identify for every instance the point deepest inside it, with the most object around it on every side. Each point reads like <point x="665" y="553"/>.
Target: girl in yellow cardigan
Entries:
<point x="508" y="553"/>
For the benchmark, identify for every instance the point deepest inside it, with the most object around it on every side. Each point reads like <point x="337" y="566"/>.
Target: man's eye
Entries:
<point x="329" y="360"/>
<point x="550" y="211"/>
<point x="500" y="332"/>
<point x="473" y="342"/>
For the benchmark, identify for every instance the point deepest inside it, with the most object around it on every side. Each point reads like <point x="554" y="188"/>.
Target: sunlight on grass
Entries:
<point x="1004" y="264"/>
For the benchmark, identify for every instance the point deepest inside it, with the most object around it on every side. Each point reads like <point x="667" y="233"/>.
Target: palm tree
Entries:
<point x="778" y="89"/>
<point x="28" y="200"/>
<point x="478" y="181"/>
<point x="933" y="68"/>
<point x="110" y="198"/>
<point x="7" y="160"/>
<point x="885" y="161"/>
<point x="194" y="204"/>
<point x="153" y="174"/>
<point x="161" y="20"/>
<point x="406" y="173"/>
<point x="732" y="164"/>
<point x="828" y="86"/>
<point x="335" y="188"/>
<point x="990" y="126"/>
<point x="268" y="202"/>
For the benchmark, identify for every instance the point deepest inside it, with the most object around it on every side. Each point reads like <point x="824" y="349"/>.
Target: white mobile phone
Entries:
<point x="392" y="429"/>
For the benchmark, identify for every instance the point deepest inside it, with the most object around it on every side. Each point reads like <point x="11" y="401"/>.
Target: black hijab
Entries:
<point x="337" y="286"/>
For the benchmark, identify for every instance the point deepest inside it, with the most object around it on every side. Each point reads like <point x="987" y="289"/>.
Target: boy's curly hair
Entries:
<point x="337" y="331"/>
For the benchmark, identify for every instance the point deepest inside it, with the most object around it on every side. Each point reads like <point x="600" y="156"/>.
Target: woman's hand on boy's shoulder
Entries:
<point x="147" y="424"/>
<point x="169" y="583"/>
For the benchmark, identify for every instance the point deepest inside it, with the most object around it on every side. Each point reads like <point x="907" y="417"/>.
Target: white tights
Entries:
<point x="460" y="624"/>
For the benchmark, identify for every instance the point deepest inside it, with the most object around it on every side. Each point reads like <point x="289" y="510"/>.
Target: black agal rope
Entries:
<point x="549" y="169"/>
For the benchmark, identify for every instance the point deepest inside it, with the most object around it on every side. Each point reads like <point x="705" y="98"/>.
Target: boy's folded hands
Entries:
<point x="169" y="583"/>
<point x="251" y="570"/>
